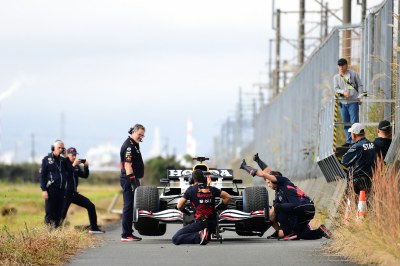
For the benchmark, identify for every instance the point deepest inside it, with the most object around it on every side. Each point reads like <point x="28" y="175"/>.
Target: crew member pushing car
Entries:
<point x="292" y="209"/>
<point x="202" y="197"/>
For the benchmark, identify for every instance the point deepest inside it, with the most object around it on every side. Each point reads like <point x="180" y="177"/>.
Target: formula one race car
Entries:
<point x="247" y="213"/>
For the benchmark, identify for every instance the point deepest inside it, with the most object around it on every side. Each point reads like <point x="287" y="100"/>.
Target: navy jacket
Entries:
<point x="382" y="146"/>
<point x="287" y="192"/>
<point x="54" y="172"/>
<point x="72" y="184"/>
<point x="360" y="158"/>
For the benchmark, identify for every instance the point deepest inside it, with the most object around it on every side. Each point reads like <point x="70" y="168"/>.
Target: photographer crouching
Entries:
<point x="72" y="195"/>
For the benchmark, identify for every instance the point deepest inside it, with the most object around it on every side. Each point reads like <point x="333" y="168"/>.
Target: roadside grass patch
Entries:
<point x="374" y="240"/>
<point x="41" y="245"/>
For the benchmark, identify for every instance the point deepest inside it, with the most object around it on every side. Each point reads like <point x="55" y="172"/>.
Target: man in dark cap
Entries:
<point x="72" y="195"/>
<point x="348" y="85"/>
<point x="384" y="139"/>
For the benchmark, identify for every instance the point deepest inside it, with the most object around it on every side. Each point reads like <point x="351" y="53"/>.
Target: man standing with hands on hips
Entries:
<point x="132" y="169"/>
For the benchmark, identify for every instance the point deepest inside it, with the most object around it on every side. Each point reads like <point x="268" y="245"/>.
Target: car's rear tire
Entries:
<point x="254" y="199"/>
<point x="147" y="198"/>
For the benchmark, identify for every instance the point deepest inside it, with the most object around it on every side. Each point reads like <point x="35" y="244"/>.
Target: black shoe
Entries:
<point x="96" y="230"/>
<point x="275" y="235"/>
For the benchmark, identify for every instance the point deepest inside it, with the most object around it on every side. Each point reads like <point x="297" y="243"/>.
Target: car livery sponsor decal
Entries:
<point x="219" y="172"/>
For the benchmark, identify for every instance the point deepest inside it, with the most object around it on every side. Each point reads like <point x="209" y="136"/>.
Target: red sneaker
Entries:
<point x="130" y="238"/>
<point x="291" y="236"/>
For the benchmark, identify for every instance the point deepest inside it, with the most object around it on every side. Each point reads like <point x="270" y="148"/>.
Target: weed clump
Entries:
<point x="41" y="246"/>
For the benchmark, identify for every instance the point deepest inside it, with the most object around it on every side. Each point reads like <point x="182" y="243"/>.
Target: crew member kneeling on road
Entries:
<point x="72" y="195"/>
<point x="202" y="197"/>
<point x="292" y="209"/>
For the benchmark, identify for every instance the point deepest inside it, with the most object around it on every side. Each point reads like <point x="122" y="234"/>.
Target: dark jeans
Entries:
<point x="349" y="114"/>
<point x="53" y="206"/>
<point x="81" y="201"/>
<point x="127" y="213"/>
<point x="294" y="218"/>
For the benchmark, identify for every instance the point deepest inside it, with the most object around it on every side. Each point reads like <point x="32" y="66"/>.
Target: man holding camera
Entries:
<point x="72" y="195"/>
<point x="53" y="175"/>
<point x="348" y="85"/>
<point x="132" y="169"/>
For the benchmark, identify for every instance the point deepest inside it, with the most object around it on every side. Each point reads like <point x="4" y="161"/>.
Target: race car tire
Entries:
<point x="147" y="198"/>
<point x="254" y="199"/>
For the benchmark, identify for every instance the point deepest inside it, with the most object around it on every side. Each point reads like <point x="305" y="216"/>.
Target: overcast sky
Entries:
<point x="107" y="65"/>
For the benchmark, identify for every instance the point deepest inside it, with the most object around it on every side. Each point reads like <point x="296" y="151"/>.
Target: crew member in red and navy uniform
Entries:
<point x="132" y="170"/>
<point x="202" y="198"/>
<point x="360" y="159"/>
<point x="73" y="196"/>
<point x="292" y="209"/>
<point x="53" y="175"/>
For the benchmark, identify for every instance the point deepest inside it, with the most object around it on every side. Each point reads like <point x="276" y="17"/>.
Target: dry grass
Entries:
<point x="24" y="240"/>
<point x="28" y="204"/>
<point x="41" y="246"/>
<point x="376" y="239"/>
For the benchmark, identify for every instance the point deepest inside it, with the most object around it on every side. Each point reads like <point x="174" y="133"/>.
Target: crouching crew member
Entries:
<point x="72" y="195"/>
<point x="53" y="175"/>
<point x="360" y="159"/>
<point x="202" y="197"/>
<point x="292" y="209"/>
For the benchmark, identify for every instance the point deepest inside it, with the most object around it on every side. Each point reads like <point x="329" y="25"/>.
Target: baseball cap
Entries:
<point x="342" y="62"/>
<point x="72" y="150"/>
<point x="357" y="128"/>
<point x="384" y="125"/>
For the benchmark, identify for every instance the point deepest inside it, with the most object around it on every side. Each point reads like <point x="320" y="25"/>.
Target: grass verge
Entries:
<point x="374" y="240"/>
<point x="41" y="246"/>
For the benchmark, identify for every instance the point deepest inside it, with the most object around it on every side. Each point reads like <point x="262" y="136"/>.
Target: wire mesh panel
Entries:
<point x="287" y="131"/>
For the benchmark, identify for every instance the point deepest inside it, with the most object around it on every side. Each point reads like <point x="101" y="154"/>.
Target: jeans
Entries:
<point x="349" y="114"/>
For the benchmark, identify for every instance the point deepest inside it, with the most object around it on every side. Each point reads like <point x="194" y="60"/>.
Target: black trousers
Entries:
<point x="294" y="218"/>
<point x="189" y="234"/>
<point x="53" y="206"/>
<point x="127" y="212"/>
<point x="81" y="201"/>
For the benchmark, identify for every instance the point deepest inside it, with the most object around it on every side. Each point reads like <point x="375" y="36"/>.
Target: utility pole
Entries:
<point x="300" y="46"/>
<point x="277" y="51"/>
<point x="239" y="125"/>
<point x="346" y="52"/>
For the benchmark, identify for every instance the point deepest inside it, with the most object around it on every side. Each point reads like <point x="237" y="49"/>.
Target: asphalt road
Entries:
<point x="234" y="250"/>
